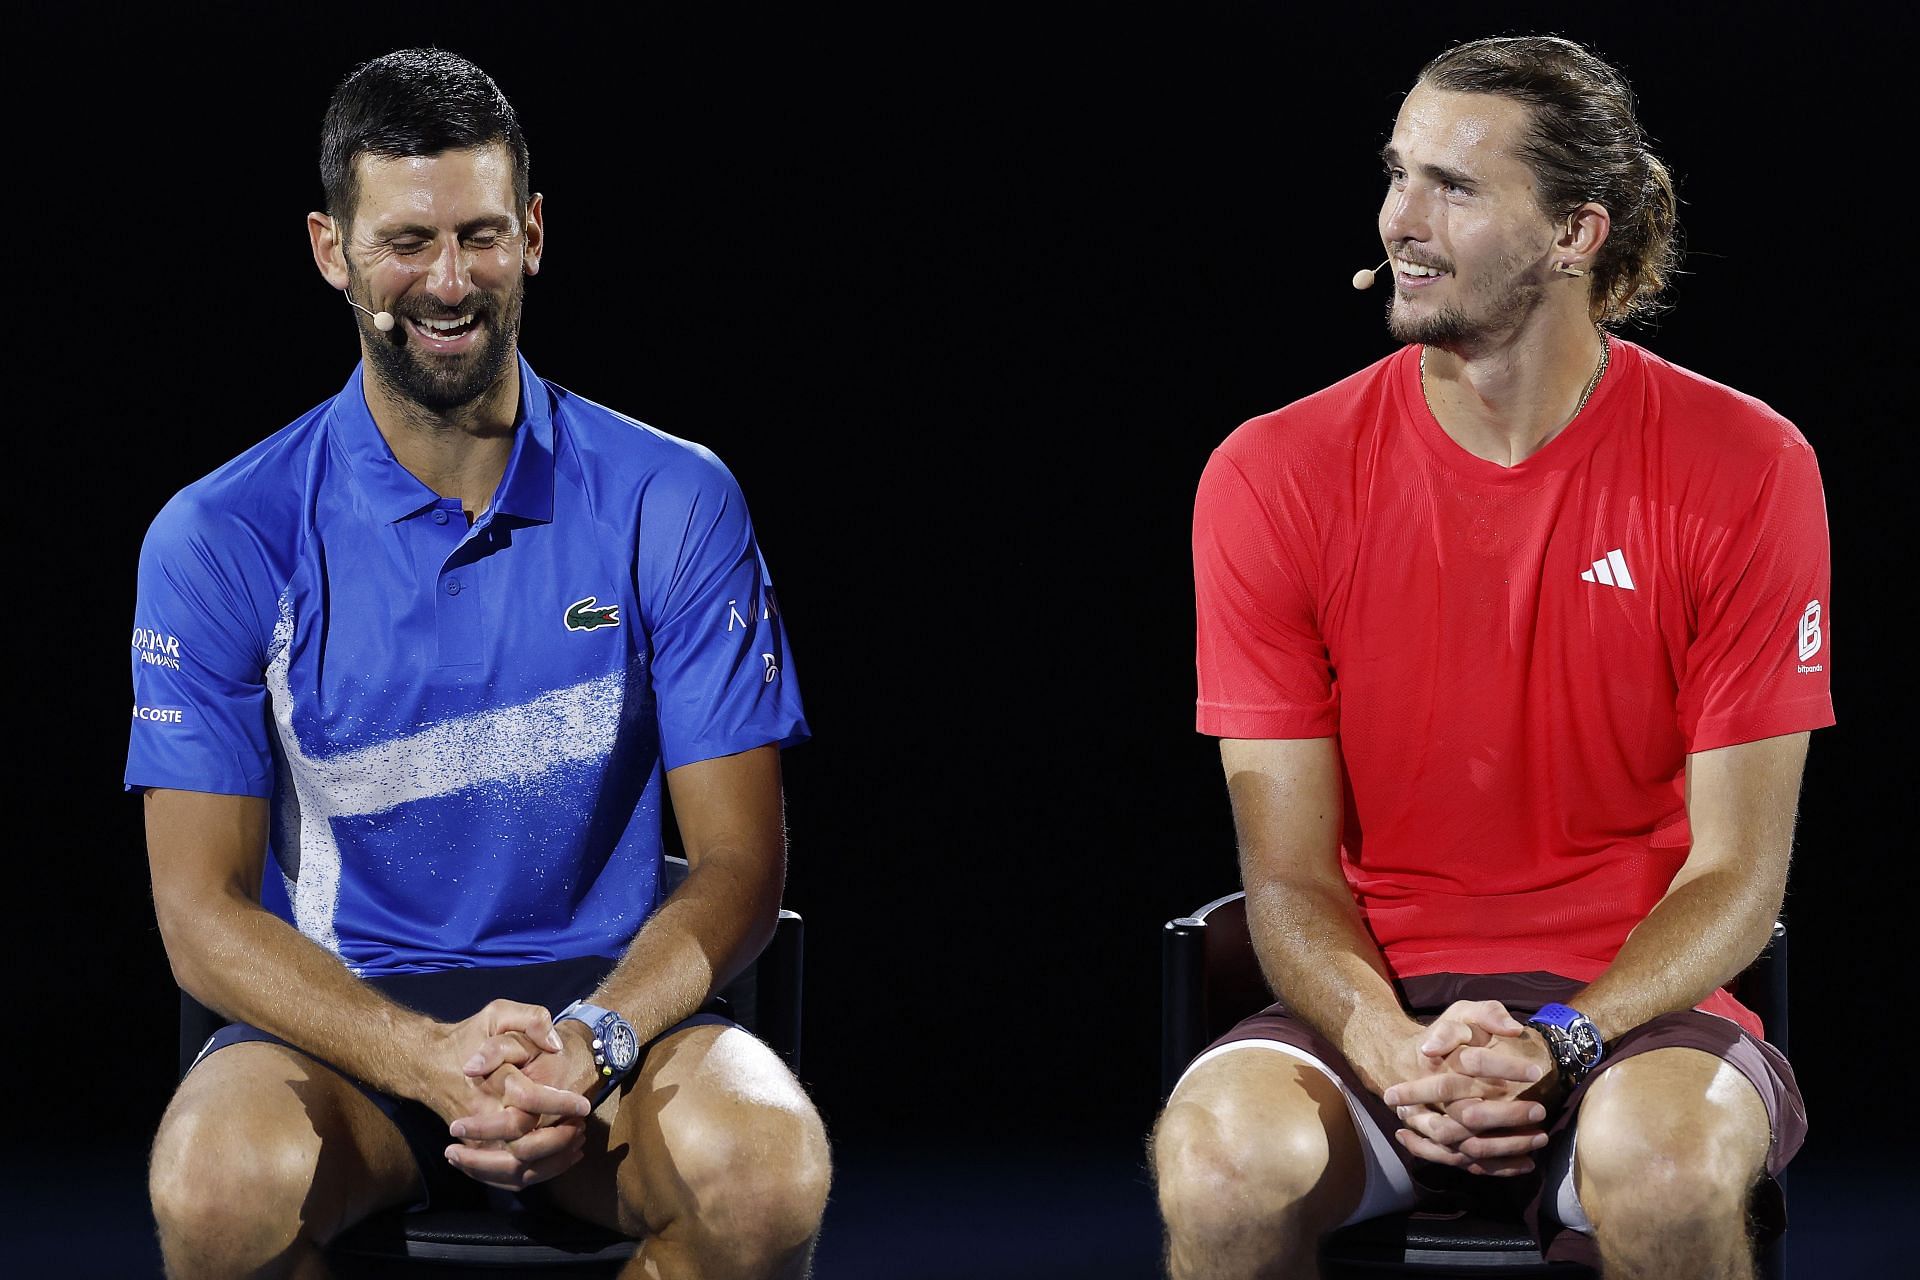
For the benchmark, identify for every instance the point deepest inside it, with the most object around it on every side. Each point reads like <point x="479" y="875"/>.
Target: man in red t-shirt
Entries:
<point x="1513" y="640"/>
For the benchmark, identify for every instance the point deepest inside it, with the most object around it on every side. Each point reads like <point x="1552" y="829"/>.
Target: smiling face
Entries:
<point x="439" y="241"/>
<point x="1469" y="241"/>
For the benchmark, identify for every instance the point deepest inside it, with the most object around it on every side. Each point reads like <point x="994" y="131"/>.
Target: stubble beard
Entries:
<point x="439" y="385"/>
<point x="1488" y="312"/>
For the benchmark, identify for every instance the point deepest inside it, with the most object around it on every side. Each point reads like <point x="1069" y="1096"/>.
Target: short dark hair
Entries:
<point x="413" y="102"/>
<point x="1585" y="144"/>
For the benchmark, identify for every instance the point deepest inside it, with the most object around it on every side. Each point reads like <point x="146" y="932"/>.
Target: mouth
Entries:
<point x="1408" y="274"/>
<point x="445" y="335"/>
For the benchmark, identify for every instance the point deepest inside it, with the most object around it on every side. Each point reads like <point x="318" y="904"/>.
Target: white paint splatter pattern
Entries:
<point x="510" y="745"/>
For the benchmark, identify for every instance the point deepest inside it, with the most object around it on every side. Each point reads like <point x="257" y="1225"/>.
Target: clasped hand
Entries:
<point x="518" y="1121"/>
<point x="1473" y="1097"/>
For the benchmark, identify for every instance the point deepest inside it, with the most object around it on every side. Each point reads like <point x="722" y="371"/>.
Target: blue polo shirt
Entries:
<point x="462" y="730"/>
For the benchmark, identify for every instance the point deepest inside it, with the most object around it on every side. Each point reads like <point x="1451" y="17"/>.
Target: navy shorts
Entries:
<point x="450" y="995"/>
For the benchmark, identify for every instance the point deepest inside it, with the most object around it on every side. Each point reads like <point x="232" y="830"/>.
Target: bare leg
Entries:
<point x="262" y="1157"/>
<point x="1256" y="1157"/>
<point x="1669" y="1146"/>
<point x="714" y="1155"/>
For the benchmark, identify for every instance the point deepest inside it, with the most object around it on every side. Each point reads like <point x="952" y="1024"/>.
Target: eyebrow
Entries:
<point x="497" y="222"/>
<point x="1452" y="177"/>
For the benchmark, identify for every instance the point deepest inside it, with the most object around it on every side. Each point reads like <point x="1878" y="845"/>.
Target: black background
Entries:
<point x="964" y="301"/>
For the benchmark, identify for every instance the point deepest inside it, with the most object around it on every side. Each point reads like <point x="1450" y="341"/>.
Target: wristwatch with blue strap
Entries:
<point x="1572" y="1039"/>
<point x="616" y="1049"/>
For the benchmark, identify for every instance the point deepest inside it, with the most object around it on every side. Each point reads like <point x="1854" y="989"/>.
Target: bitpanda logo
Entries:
<point x="1811" y="637"/>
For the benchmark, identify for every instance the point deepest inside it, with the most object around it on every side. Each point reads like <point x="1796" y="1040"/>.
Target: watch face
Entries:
<point x="1586" y="1042"/>
<point x="621" y="1048"/>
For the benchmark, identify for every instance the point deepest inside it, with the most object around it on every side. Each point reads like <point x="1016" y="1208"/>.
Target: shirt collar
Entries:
<point x="526" y="490"/>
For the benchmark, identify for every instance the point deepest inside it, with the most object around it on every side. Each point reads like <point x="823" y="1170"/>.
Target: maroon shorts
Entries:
<point x="1444" y="1188"/>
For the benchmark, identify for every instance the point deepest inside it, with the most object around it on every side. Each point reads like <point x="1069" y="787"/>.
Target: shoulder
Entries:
<point x="1701" y="416"/>
<point x="615" y="455"/>
<point x="1317" y="435"/>
<point x="259" y="497"/>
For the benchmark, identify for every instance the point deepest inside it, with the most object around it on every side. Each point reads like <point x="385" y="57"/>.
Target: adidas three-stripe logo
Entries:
<point x="1610" y="570"/>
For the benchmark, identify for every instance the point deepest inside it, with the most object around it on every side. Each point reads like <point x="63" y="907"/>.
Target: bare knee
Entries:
<point x="750" y="1180"/>
<point x="1658" y="1165"/>
<point x="1229" y="1169"/>
<point x="225" y="1194"/>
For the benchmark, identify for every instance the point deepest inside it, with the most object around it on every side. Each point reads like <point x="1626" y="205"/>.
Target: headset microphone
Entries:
<point x="1364" y="279"/>
<point x="383" y="320"/>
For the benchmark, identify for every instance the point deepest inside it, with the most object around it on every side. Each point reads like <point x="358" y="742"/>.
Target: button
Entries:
<point x="453" y="586"/>
<point x="439" y="515"/>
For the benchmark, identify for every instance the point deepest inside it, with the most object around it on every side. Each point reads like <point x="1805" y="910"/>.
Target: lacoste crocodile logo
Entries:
<point x="588" y="615"/>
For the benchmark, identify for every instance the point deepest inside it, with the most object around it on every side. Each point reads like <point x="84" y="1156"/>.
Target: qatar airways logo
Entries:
<point x="155" y="649"/>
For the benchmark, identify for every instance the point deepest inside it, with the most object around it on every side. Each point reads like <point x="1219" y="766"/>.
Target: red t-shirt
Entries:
<point x="1517" y="660"/>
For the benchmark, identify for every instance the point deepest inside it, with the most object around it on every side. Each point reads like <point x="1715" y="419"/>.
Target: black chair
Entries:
<point x="1210" y="980"/>
<point x="510" y="1237"/>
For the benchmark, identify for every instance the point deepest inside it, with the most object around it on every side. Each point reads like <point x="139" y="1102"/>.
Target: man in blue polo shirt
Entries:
<point x="410" y="679"/>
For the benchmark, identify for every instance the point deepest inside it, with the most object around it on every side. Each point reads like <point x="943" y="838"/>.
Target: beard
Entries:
<point x="441" y="384"/>
<point x="1492" y="306"/>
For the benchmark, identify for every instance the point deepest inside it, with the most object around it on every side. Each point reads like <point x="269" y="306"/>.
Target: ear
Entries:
<point x="329" y="253"/>
<point x="536" y="235"/>
<point x="1581" y="237"/>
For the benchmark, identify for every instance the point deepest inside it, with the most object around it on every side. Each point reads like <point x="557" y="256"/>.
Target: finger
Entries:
<point x="1446" y="1035"/>
<point x="1448" y="1086"/>
<point x="510" y="1015"/>
<point x="1489" y="1015"/>
<point x="1435" y="1126"/>
<point x="1484" y="1116"/>
<point x="1426" y="1149"/>
<point x="1497" y="1064"/>
<point x="497" y="1167"/>
<point x="1508" y="1168"/>
<point x="496" y="1051"/>
<point x="545" y="1143"/>
<point x="541" y="1099"/>
<point x="1485" y="1146"/>
<point x="492" y="1126"/>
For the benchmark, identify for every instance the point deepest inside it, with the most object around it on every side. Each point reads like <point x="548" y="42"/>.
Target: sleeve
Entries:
<point x="1263" y="665"/>
<point x="1760" y="662"/>
<point x="722" y="678"/>
<point x="200" y="713"/>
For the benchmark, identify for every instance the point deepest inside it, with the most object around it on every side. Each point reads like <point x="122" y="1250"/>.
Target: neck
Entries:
<point x="460" y="453"/>
<point x="1503" y="398"/>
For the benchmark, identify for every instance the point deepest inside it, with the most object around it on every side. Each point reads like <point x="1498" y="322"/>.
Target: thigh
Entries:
<point x="705" y="1095"/>
<point x="259" y="1119"/>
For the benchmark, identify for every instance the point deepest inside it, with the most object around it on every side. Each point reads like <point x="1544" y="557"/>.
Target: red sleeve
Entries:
<point x="1762" y="656"/>
<point x="1262" y="662"/>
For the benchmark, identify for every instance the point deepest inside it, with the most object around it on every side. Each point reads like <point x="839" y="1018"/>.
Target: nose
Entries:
<point x="450" y="275"/>
<point x="1404" y="216"/>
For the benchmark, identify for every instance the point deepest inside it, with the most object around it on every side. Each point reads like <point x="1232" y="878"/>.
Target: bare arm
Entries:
<point x="1719" y="911"/>
<point x="1287" y="805"/>
<point x="206" y="853"/>
<point x="721" y="916"/>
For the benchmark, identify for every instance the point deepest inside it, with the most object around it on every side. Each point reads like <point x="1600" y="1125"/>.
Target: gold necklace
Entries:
<point x="1599" y="372"/>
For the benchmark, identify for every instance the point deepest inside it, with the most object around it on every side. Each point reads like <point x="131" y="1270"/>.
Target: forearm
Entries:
<point x="1698" y="937"/>
<point x="1719" y="911"/>
<point x="1315" y="951"/>
<point x="720" y="918"/>
<point x="249" y="965"/>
